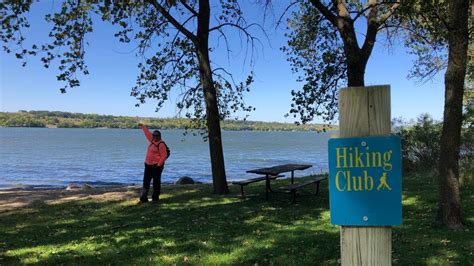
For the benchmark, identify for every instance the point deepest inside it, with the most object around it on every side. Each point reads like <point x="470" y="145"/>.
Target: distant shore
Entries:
<point x="57" y="119"/>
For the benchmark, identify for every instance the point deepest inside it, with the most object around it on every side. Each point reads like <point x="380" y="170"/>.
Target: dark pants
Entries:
<point x="151" y="172"/>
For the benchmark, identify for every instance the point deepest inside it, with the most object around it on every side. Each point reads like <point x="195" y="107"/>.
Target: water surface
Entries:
<point x="58" y="157"/>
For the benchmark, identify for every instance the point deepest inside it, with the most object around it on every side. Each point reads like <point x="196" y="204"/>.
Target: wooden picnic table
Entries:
<point x="276" y="170"/>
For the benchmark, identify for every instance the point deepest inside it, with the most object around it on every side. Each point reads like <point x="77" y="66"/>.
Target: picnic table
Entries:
<point x="276" y="170"/>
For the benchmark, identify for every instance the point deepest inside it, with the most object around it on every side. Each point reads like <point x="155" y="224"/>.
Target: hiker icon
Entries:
<point x="383" y="183"/>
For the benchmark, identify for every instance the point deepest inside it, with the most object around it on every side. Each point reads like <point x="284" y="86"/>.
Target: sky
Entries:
<point x="113" y="70"/>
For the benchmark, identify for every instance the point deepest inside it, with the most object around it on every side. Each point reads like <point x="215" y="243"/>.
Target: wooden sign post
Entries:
<point x="365" y="111"/>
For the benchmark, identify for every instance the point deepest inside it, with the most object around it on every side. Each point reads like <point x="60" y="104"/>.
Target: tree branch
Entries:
<point x="173" y="21"/>
<point x="342" y="9"/>
<point x="146" y="39"/>
<point x="189" y="8"/>
<point x="361" y="12"/>
<point x="438" y="16"/>
<point x="249" y="37"/>
<point x="226" y="41"/>
<point x="284" y="13"/>
<point x="372" y="28"/>
<point x="325" y="11"/>
<point x="388" y="14"/>
<point x="235" y="25"/>
<point x="226" y="72"/>
<point x="369" y="6"/>
<point x="373" y="24"/>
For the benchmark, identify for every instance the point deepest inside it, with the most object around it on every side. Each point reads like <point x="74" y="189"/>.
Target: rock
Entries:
<point x="23" y="187"/>
<point x="87" y="186"/>
<point x="72" y="186"/>
<point x="184" y="180"/>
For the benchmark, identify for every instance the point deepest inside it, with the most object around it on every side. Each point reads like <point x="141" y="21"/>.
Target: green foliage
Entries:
<point x="420" y="143"/>
<point x="427" y="26"/>
<point x="468" y="100"/>
<point x="426" y="36"/>
<point x="166" y="33"/>
<point x="192" y="226"/>
<point x="79" y="120"/>
<point x="316" y="53"/>
<point x="324" y="51"/>
<point x="467" y="146"/>
<point x="421" y="146"/>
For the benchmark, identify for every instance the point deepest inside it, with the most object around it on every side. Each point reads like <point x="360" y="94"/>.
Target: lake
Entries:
<point x="44" y="157"/>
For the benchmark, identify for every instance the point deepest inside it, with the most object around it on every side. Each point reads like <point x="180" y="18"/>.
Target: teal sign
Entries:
<point x="365" y="181"/>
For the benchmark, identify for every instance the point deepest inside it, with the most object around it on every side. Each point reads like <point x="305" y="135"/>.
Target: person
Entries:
<point x="383" y="182"/>
<point x="156" y="156"/>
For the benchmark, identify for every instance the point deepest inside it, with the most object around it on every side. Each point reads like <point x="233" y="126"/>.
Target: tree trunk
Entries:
<point x="219" y="180"/>
<point x="355" y="59"/>
<point x="356" y="72"/>
<point x="449" y="206"/>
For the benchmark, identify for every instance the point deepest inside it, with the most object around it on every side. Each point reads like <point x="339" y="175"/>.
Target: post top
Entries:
<point x="368" y="87"/>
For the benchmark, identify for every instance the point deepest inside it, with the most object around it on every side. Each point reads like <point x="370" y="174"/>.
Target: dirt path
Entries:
<point x="20" y="198"/>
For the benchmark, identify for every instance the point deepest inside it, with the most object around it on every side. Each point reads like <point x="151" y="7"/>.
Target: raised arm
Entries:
<point x="147" y="132"/>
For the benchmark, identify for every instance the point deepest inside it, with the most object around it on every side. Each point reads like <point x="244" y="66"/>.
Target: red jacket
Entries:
<point x="156" y="153"/>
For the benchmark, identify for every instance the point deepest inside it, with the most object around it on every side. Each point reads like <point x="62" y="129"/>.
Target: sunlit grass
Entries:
<point x="192" y="226"/>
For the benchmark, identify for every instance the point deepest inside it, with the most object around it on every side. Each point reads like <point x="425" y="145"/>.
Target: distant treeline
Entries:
<point x="79" y="120"/>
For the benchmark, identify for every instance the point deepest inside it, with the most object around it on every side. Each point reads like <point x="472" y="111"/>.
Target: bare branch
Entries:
<point x="250" y="38"/>
<point x="239" y="27"/>
<point x="226" y="72"/>
<point x="226" y="42"/>
<point x="284" y="13"/>
<point x="235" y="25"/>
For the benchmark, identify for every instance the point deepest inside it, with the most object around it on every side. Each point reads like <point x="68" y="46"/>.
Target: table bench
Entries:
<point x="276" y="170"/>
<point x="292" y="188"/>
<point x="245" y="182"/>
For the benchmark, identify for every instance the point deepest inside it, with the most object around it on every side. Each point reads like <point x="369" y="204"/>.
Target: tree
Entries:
<point x="438" y="33"/>
<point x="323" y="45"/>
<point x="173" y="42"/>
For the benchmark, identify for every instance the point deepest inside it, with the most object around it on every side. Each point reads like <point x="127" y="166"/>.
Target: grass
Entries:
<point x="192" y="226"/>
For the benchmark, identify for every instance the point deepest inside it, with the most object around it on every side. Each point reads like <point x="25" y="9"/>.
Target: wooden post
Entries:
<point x="365" y="111"/>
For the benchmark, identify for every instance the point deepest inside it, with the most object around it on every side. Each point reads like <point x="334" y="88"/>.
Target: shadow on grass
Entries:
<point x="190" y="225"/>
<point x="419" y="241"/>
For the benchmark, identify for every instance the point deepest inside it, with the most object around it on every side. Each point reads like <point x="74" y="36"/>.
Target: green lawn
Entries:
<point x="192" y="226"/>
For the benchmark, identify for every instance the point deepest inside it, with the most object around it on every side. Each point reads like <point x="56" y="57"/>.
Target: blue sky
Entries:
<point x="113" y="72"/>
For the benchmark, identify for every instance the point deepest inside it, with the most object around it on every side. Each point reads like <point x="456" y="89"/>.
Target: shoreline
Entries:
<point x="75" y="185"/>
<point x="78" y="185"/>
<point x="29" y="196"/>
<point x="15" y="198"/>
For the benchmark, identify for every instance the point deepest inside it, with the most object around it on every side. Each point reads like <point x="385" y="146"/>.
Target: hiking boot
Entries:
<point x="141" y="201"/>
<point x="144" y="196"/>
